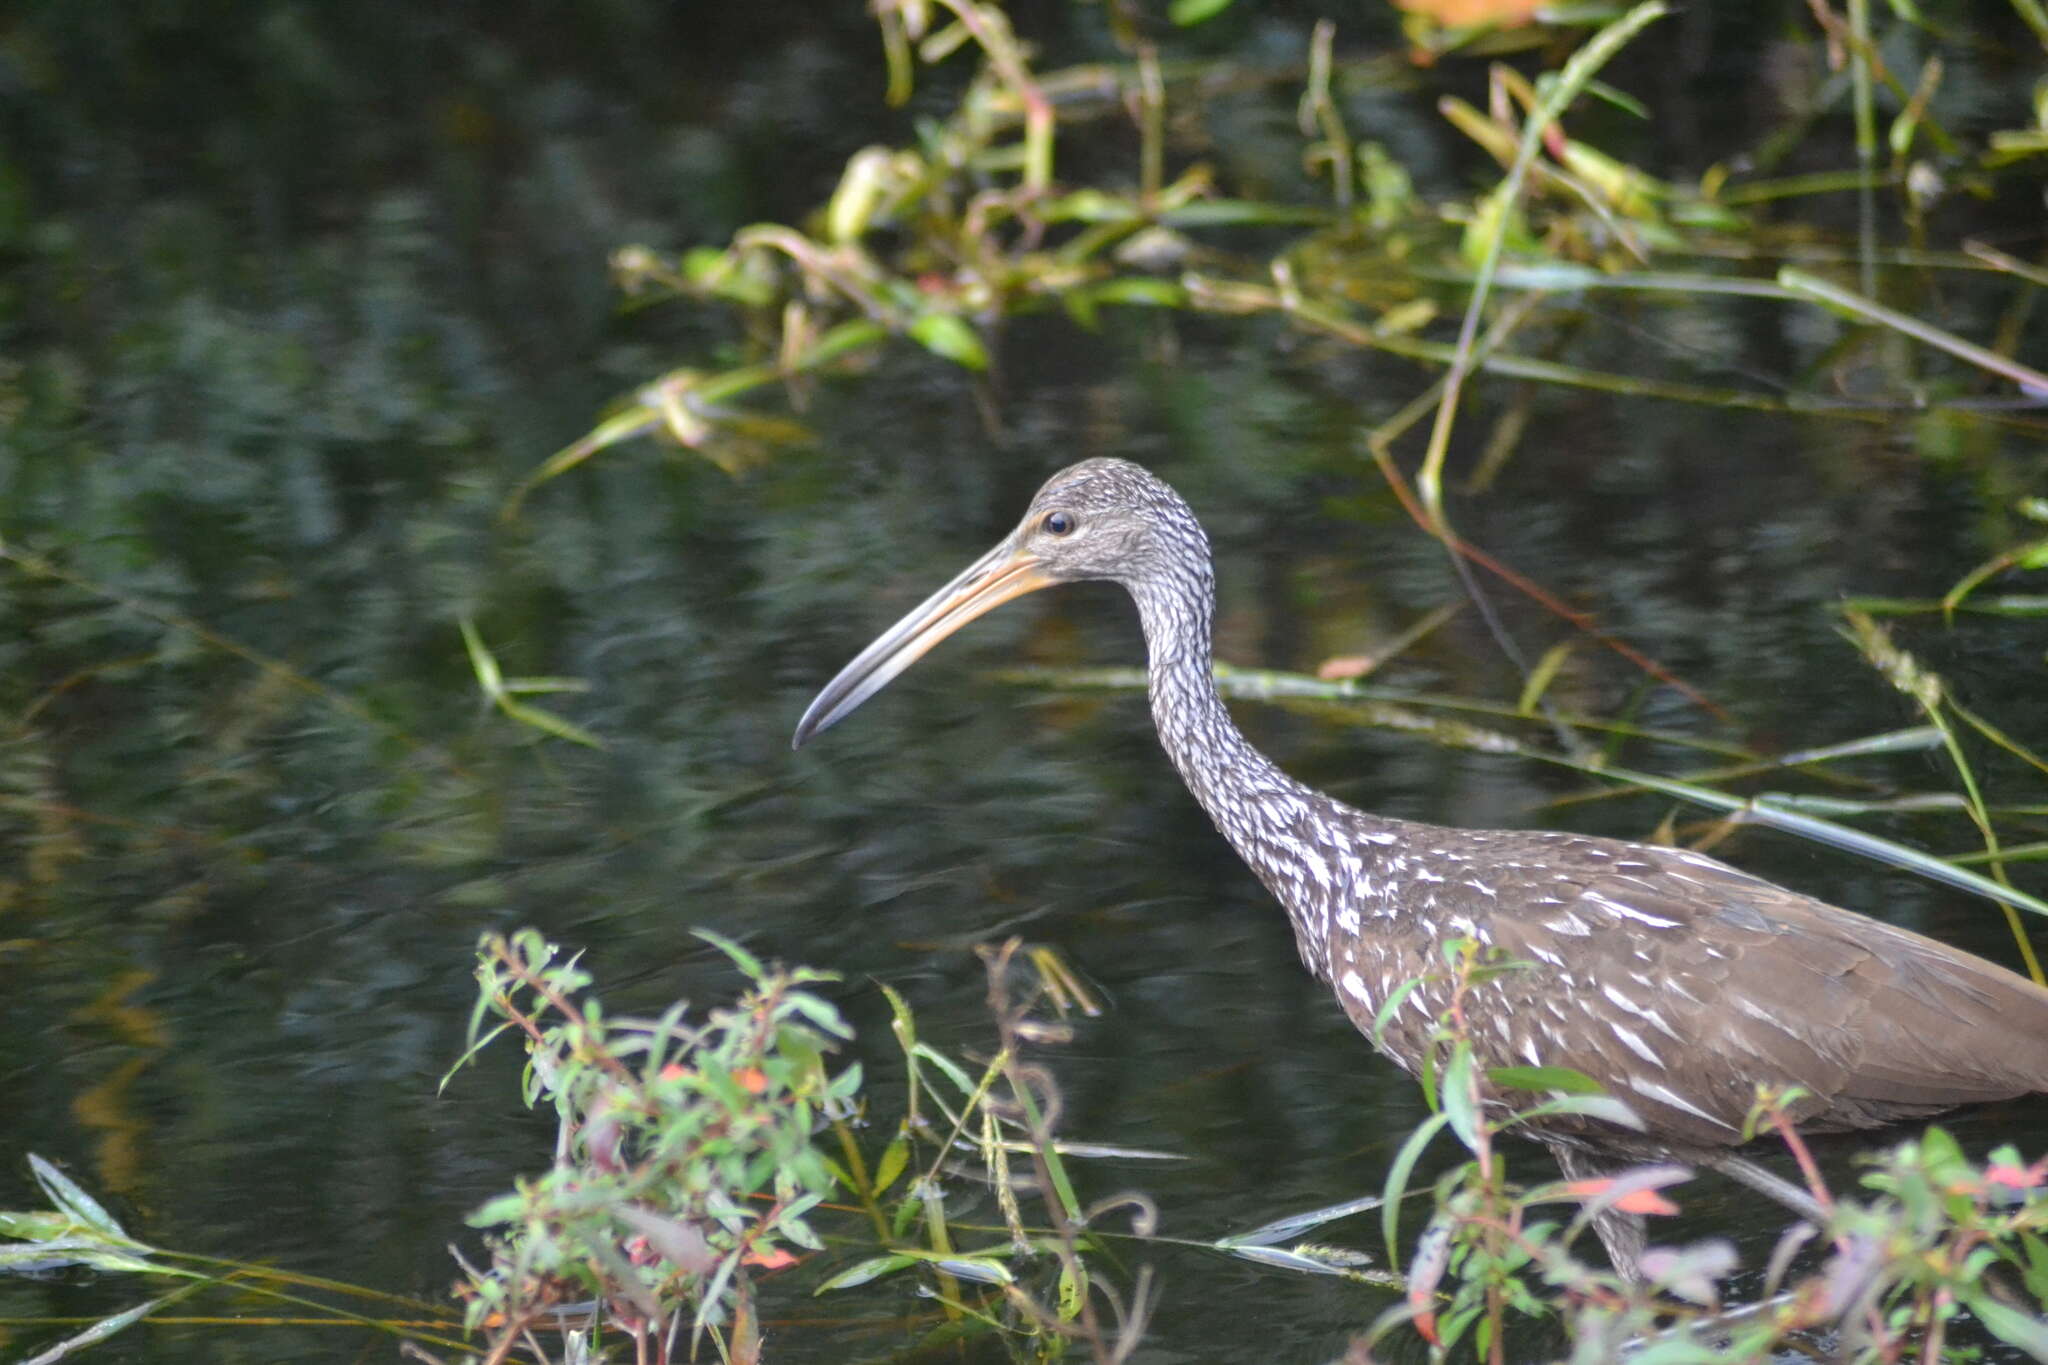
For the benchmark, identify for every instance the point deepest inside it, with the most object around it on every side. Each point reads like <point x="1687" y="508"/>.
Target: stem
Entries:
<point x="1563" y="89"/>
<point x="1860" y="57"/>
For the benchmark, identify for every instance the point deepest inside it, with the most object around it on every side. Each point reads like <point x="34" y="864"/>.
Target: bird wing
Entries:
<point x="1692" y="983"/>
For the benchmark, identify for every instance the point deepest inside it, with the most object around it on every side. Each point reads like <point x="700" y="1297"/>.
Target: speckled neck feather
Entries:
<point x="1265" y="814"/>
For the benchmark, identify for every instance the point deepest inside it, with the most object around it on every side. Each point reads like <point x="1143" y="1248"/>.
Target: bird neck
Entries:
<point x="1220" y="766"/>
<point x="1268" y="817"/>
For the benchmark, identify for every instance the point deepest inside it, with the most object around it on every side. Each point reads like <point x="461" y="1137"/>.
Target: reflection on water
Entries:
<point x="239" y="910"/>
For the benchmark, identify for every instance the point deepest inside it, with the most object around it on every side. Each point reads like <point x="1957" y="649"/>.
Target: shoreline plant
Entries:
<point x="703" y="1163"/>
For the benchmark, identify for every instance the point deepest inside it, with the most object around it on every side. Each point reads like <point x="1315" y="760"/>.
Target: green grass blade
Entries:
<point x="1397" y="1183"/>
<point x="105" y="1327"/>
<point x="1765" y="810"/>
<point x="1295" y="1224"/>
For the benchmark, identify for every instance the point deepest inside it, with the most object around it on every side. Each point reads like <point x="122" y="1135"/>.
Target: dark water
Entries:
<point x="278" y="349"/>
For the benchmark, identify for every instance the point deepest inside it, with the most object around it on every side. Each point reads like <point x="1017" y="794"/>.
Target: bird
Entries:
<point x="1675" y="982"/>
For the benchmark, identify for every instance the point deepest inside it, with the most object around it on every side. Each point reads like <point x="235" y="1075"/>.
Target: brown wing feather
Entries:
<point x="1771" y="987"/>
<point x="1680" y="984"/>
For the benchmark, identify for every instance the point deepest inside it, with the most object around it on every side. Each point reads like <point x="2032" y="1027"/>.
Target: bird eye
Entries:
<point x="1058" y="523"/>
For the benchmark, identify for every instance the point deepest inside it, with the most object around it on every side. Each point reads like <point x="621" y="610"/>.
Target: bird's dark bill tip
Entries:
<point x="816" y="720"/>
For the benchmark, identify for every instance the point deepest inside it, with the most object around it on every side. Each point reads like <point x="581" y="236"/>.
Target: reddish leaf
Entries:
<point x="1635" y="1201"/>
<point x="1425" y="1271"/>
<point x="1342" y="667"/>
<point x="2018" y="1177"/>
<point x="1458" y="13"/>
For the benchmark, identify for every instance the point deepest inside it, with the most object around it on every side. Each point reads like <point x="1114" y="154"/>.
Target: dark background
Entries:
<point x="294" y="294"/>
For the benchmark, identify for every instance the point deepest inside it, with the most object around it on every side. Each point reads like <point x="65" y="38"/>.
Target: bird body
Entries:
<point x="1676" y="982"/>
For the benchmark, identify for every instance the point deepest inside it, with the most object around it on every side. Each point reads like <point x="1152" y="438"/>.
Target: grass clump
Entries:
<point x="1932" y="1234"/>
<point x="683" y="1157"/>
<point x="694" y="1155"/>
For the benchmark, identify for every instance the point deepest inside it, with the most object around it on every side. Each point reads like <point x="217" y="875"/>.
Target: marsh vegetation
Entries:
<point x="440" y="457"/>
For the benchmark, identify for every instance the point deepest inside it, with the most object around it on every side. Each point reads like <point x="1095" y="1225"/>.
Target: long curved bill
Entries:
<point x="1001" y="574"/>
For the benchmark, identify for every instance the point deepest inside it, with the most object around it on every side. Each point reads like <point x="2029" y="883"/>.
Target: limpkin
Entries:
<point x="1675" y="981"/>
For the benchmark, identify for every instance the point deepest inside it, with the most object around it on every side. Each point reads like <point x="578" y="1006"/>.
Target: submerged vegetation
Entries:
<point x="723" y="1180"/>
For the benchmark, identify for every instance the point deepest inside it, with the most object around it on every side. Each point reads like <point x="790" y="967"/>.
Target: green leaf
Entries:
<point x="844" y="1086"/>
<point x="839" y="1173"/>
<point x="1089" y="206"/>
<point x="1292" y="1226"/>
<point x="1618" y="98"/>
<point x="2009" y="1325"/>
<point x="1494" y="217"/>
<point x="103" y="1329"/>
<point x="121" y="1263"/>
<point x="820" y="1012"/>
<point x="1541" y="676"/>
<point x="506" y="1208"/>
<point x="860" y="1272"/>
<point x="980" y="1269"/>
<point x="1943" y="1155"/>
<point x="1544" y="1078"/>
<point x="540" y="685"/>
<point x="476" y="1046"/>
<point x="1606" y="1108"/>
<point x="895" y="1157"/>
<point x="907" y="1210"/>
<point x="950" y="1068"/>
<point x="1242" y="212"/>
<point x="1308" y="1260"/>
<point x="800" y="1232"/>
<point x="901" y="1021"/>
<point x="1080" y="306"/>
<point x="741" y="958"/>
<point x="547" y="722"/>
<point x="1188" y="13"/>
<point x="1073" y="1287"/>
<point x="1385" y="1013"/>
<point x="1456" y="1324"/>
<point x="481" y="661"/>
<point x="1140" y="291"/>
<point x="1397" y="1183"/>
<point x="714" y="1292"/>
<point x="947" y="335"/>
<point x="1461" y="1096"/>
<point x="28" y="1257"/>
<point x="2035" y="1272"/>
<point x="39" y="1226"/>
<point x="67" y="1195"/>
<point x="1766" y="809"/>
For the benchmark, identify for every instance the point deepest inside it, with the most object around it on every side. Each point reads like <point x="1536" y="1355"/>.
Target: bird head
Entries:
<point x="1099" y="519"/>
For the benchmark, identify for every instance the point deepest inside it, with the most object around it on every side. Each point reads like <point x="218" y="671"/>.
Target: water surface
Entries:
<point x="278" y="402"/>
